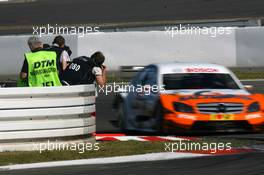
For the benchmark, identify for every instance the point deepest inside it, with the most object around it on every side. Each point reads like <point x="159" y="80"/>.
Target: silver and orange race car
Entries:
<point x="188" y="96"/>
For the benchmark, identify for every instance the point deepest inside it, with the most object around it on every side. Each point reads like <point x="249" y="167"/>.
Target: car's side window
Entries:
<point x="138" y="80"/>
<point x="147" y="76"/>
<point x="142" y="77"/>
<point x="151" y="77"/>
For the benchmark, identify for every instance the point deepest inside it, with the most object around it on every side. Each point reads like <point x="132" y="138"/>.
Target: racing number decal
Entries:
<point x="74" y="67"/>
<point x="221" y="117"/>
<point x="50" y="83"/>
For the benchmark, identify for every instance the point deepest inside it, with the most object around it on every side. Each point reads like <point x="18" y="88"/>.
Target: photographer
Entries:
<point x="85" y="70"/>
<point x="63" y="52"/>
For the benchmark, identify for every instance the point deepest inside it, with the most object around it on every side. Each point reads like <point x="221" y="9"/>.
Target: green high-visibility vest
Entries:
<point x="42" y="69"/>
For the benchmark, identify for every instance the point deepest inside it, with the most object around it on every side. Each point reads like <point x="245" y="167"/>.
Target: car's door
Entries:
<point x="134" y="97"/>
<point x="150" y="96"/>
<point x="142" y="100"/>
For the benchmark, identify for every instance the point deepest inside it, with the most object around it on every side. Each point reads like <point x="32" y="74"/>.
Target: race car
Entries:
<point x="188" y="97"/>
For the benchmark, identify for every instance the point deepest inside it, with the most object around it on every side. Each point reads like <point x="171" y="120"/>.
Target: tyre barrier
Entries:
<point x="31" y="116"/>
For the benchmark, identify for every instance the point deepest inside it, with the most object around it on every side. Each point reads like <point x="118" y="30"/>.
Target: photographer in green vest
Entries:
<point x="40" y="66"/>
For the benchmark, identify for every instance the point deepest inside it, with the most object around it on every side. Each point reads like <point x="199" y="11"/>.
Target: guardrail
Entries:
<point x="35" y="115"/>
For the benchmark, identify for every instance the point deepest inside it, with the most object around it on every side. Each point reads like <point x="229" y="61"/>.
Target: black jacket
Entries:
<point x="79" y="71"/>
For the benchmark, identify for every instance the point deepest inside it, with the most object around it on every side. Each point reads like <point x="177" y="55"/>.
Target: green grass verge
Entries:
<point x="249" y="74"/>
<point x="107" y="149"/>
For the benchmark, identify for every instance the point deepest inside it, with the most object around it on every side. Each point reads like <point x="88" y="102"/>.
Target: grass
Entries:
<point x="249" y="74"/>
<point x="107" y="149"/>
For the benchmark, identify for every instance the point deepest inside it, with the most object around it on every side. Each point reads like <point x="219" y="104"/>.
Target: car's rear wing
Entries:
<point x="131" y="68"/>
<point x="128" y="72"/>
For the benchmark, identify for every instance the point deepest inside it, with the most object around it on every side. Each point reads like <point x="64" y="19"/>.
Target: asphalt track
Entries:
<point x="100" y="12"/>
<point x="243" y="164"/>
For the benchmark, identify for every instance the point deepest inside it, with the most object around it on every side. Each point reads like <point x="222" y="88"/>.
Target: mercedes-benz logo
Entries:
<point x="221" y="108"/>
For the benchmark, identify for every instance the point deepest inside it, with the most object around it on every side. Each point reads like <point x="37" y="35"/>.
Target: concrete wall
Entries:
<point x="242" y="47"/>
<point x="137" y="48"/>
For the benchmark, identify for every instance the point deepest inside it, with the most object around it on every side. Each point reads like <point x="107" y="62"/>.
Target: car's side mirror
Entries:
<point x="249" y="87"/>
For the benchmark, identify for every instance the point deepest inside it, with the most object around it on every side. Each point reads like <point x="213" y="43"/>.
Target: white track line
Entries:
<point x="137" y="138"/>
<point x="170" y="138"/>
<point x="257" y="80"/>
<point x="119" y="159"/>
<point x="120" y="138"/>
